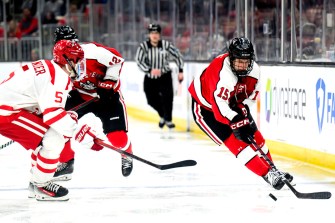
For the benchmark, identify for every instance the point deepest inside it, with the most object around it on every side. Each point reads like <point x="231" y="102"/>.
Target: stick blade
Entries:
<point x="183" y="163"/>
<point x="315" y="195"/>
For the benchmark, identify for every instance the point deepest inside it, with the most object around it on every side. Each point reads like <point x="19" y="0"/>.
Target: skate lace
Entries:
<point x="126" y="163"/>
<point x="61" y="166"/>
<point x="52" y="187"/>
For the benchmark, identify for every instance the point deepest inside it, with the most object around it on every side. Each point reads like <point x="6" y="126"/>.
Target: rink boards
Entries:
<point x="295" y="111"/>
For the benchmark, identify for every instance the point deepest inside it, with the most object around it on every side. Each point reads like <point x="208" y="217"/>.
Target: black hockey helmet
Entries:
<point x="65" y="33"/>
<point x="241" y="48"/>
<point x="154" y="28"/>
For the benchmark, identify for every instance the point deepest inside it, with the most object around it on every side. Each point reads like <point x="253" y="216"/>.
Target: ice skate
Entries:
<point x="51" y="192"/>
<point x="274" y="178"/>
<point x="170" y="125"/>
<point x="126" y="165"/>
<point x="161" y="123"/>
<point x="64" y="171"/>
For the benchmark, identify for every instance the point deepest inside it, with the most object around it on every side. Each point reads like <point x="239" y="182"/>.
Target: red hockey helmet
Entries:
<point x="66" y="50"/>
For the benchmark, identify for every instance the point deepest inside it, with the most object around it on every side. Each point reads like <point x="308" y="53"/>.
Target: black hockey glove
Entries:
<point x="241" y="128"/>
<point x="244" y="110"/>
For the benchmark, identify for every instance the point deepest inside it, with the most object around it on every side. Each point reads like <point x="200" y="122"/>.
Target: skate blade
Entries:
<point x="48" y="198"/>
<point x="65" y="177"/>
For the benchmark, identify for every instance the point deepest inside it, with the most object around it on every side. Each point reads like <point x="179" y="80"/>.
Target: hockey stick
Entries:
<point x="6" y="144"/>
<point x="183" y="163"/>
<point x="312" y="195"/>
<point x="76" y="108"/>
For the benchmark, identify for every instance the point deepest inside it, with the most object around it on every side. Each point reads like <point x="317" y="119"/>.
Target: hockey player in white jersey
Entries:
<point x="32" y="113"/>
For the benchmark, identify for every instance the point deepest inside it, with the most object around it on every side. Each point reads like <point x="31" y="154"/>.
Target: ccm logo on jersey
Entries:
<point x="239" y="124"/>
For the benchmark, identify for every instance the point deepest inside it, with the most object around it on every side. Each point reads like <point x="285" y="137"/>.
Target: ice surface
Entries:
<point x="217" y="189"/>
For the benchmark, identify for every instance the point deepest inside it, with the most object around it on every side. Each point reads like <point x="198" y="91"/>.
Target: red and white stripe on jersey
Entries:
<point x="124" y="109"/>
<point x="52" y="115"/>
<point x="201" y="122"/>
<point x="7" y="110"/>
<point x="60" y="120"/>
<point x="30" y="126"/>
<point x="217" y="86"/>
<point x="195" y="91"/>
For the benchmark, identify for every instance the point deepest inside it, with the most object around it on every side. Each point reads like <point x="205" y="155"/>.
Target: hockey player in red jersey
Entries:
<point x="221" y="96"/>
<point x="100" y="77"/>
<point x="32" y="113"/>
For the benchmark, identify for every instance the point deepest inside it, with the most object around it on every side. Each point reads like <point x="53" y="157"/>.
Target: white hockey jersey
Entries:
<point x="40" y="87"/>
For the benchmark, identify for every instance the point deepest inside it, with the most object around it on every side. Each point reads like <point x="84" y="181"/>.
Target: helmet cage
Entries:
<point x="241" y="48"/>
<point x="66" y="51"/>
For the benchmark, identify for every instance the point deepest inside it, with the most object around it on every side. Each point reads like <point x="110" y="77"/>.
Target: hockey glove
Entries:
<point x="86" y="136"/>
<point x="241" y="128"/>
<point x="73" y="115"/>
<point x="244" y="110"/>
<point x="89" y="128"/>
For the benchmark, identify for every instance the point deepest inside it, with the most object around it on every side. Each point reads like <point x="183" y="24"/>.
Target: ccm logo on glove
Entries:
<point x="106" y="85"/>
<point x="239" y="124"/>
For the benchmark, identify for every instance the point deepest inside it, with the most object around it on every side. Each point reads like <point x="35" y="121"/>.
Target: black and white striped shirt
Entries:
<point x="149" y="57"/>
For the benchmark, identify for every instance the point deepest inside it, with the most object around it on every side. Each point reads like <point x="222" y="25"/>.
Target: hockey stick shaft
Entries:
<point x="84" y="104"/>
<point x="312" y="195"/>
<point x="76" y="108"/>
<point x="183" y="163"/>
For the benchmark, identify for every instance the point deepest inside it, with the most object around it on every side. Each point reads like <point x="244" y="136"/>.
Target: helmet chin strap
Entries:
<point x="70" y="68"/>
<point x="72" y="74"/>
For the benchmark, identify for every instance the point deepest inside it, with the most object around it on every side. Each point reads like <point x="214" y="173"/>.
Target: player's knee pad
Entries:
<point x="52" y="144"/>
<point x="119" y="139"/>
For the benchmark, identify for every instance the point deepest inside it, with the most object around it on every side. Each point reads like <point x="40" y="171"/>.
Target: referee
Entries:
<point x="152" y="58"/>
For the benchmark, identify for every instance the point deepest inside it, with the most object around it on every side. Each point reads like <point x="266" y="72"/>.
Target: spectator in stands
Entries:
<point x="35" y="54"/>
<point x="28" y="24"/>
<point x="54" y="6"/>
<point x="12" y="28"/>
<point x="31" y="5"/>
<point x="309" y="45"/>
<point x="49" y="18"/>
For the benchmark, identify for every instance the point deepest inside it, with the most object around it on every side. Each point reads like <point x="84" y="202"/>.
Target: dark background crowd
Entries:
<point x="200" y="29"/>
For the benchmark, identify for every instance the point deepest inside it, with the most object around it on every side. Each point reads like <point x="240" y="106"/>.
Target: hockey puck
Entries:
<point x="272" y="196"/>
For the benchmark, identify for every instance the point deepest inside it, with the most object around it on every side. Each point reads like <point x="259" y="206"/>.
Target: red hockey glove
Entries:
<point x="241" y="128"/>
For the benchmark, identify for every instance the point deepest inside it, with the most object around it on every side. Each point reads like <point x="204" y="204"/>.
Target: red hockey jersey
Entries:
<point x="218" y="89"/>
<point x="102" y="69"/>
